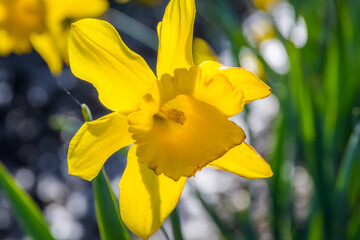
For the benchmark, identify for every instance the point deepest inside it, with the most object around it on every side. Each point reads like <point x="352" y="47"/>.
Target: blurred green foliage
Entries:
<point x="319" y="116"/>
<point x="26" y="212"/>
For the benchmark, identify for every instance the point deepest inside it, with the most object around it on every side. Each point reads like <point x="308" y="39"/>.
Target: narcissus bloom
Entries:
<point x="265" y="4"/>
<point x="44" y="25"/>
<point x="177" y="120"/>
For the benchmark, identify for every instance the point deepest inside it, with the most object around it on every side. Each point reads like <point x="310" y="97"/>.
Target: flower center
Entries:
<point x="172" y="114"/>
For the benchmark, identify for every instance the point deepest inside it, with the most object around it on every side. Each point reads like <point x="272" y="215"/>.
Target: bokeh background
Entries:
<point x="308" y="129"/>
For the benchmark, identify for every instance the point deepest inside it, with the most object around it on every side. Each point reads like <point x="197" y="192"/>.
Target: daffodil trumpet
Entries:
<point x="177" y="121"/>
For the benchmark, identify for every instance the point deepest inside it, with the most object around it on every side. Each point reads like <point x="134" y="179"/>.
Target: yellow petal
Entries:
<point x="98" y="55"/>
<point x="218" y="91"/>
<point x="215" y="90"/>
<point x="265" y="4"/>
<point x="251" y="62"/>
<point x="183" y="137"/>
<point x="244" y="161"/>
<point x="251" y="85"/>
<point x="45" y="45"/>
<point x="175" y="37"/>
<point x="60" y="14"/>
<point x="3" y="12"/>
<point x="6" y="43"/>
<point x="95" y="142"/>
<point x="202" y="51"/>
<point x="70" y="9"/>
<point x="21" y="46"/>
<point x="146" y="199"/>
<point x="25" y="17"/>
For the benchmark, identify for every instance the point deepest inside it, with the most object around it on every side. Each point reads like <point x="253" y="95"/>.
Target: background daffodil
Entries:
<point x="202" y="51"/>
<point x="177" y="120"/>
<point x="44" y="25"/>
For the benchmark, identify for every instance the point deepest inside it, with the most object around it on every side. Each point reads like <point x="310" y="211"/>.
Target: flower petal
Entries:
<point x="6" y="43"/>
<point x="175" y="37"/>
<point x="146" y="199"/>
<point x="215" y="90"/>
<point x="202" y="51"/>
<point x="251" y="85"/>
<point x="3" y="11"/>
<point x="60" y="14"/>
<point x="95" y="142"/>
<point x="98" y="55"/>
<point x="45" y="46"/>
<point x="70" y="9"/>
<point x="244" y="161"/>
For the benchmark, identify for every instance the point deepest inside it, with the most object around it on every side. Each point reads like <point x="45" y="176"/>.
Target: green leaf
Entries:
<point x="353" y="231"/>
<point x="108" y="216"/>
<point x="26" y="212"/>
<point x="107" y="209"/>
<point x="176" y="226"/>
<point x="224" y="229"/>
<point x="343" y="182"/>
<point x="315" y="223"/>
<point x="347" y="164"/>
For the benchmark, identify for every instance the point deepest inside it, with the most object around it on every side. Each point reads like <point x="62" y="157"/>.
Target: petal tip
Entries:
<point x="269" y="92"/>
<point x="74" y="173"/>
<point x="267" y="171"/>
<point x="83" y="21"/>
<point x="270" y="173"/>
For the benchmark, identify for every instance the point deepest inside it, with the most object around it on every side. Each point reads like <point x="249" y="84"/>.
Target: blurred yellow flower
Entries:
<point x="250" y="62"/>
<point x="202" y="51"/>
<point x="43" y="25"/>
<point x="258" y="28"/>
<point x="177" y="120"/>
<point x="265" y="4"/>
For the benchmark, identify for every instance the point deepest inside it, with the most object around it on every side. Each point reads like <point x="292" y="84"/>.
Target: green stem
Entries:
<point x="107" y="209"/>
<point x="165" y="233"/>
<point x="225" y="230"/>
<point x="86" y="113"/>
<point x="176" y="225"/>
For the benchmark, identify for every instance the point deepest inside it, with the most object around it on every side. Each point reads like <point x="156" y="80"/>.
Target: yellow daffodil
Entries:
<point x="251" y="62"/>
<point x="44" y="25"/>
<point x="177" y="120"/>
<point x="258" y="28"/>
<point x="265" y="4"/>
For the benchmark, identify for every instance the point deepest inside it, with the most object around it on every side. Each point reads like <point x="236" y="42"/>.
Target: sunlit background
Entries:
<point x="308" y="129"/>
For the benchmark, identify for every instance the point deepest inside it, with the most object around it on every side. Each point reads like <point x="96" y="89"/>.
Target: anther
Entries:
<point x="172" y="114"/>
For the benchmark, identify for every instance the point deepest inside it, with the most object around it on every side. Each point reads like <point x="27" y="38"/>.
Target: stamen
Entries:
<point x="172" y="114"/>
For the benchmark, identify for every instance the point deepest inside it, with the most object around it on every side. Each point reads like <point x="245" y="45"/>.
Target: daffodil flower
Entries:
<point x="265" y="4"/>
<point x="177" y="121"/>
<point x="44" y="25"/>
